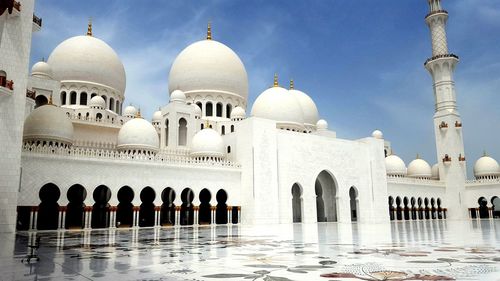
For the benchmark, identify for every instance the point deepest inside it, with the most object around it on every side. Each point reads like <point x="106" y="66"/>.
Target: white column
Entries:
<point x="196" y="214"/>
<point x="229" y="215"/>
<point x="134" y="217"/>
<point x="32" y="215"/>
<point x="62" y="213"/>
<point x="112" y="217"/>
<point x="35" y="219"/>
<point x="213" y="209"/>
<point x="157" y="216"/>
<point x="78" y="98"/>
<point x="177" y="215"/>
<point x="239" y="214"/>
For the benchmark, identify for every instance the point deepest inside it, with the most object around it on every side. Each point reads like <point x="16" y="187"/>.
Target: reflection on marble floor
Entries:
<point x="413" y="250"/>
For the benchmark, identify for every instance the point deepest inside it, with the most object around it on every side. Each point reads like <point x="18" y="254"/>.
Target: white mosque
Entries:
<point x="74" y="157"/>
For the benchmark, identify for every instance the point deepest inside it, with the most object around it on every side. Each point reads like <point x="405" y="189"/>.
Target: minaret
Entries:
<point x="447" y="122"/>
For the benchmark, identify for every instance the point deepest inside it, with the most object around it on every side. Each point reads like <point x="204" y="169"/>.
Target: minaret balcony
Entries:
<point x="436" y="12"/>
<point x="461" y="158"/>
<point x="30" y="94"/>
<point x="16" y="9"/>
<point x="6" y="87"/>
<point x="458" y="125"/>
<point x="37" y="23"/>
<point x="441" y="57"/>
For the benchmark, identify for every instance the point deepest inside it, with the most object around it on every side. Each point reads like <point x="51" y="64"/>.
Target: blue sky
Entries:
<point x="360" y="60"/>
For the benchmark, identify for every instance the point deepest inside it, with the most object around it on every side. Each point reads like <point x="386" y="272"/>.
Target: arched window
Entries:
<point x="105" y="99"/>
<point x="111" y="104"/>
<point x="63" y="98"/>
<point x="209" y="109"/>
<point x="200" y="106"/>
<point x="228" y="110"/>
<point x="232" y="128"/>
<point x="223" y="130"/>
<point x="218" y="109"/>
<point x="166" y="132"/>
<point x="228" y="149"/>
<point x="98" y="116"/>
<point x="72" y="98"/>
<point x="83" y="98"/>
<point x="202" y="126"/>
<point x="117" y="108"/>
<point x="40" y="100"/>
<point x="182" y="132"/>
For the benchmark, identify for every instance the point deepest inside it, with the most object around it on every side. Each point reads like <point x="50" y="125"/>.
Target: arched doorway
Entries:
<point x="353" y="196"/>
<point x="221" y="211"/>
<point x="168" y="207"/>
<point x="495" y="202"/>
<point x="208" y="109"/>
<point x="187" y="212"/>
<point x="125" y="211"/>
<point x="75" y="209"/>
<point x="326" y="201"/>
<point x="399" y="209"/>
<point x="433" y="209"/>
<point x="439" y="209"/>
<point x="182" y="141"/>
<point x="413" y="202"/>
<point x="205" y="208"/>
<point x="228" y="111"/>
<point x="100" y="210"/>
<point x="406" y="210"/>
<point x="48" y="210"/>
<point x="427" y="209"/>
<point x="296" y="202"/>
<point x="391" y="208"/>
<point x="483" y="208"/>
<point x="420" y="209"/>
<point x="40" y="100"/>
<point x="147" y="209"/>
<point x="218" y="109"/>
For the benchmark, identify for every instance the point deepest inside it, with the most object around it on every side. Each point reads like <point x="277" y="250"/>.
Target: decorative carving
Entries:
<point x="458" y="124"/>
<point x="446" y="158"/>
<point x="443" y="125"/>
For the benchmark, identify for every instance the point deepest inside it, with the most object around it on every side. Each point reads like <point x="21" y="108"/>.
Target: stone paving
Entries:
<point x="412" y="250"/>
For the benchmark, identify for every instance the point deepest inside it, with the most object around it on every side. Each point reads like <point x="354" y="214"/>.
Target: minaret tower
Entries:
<point x="447" y="122"/>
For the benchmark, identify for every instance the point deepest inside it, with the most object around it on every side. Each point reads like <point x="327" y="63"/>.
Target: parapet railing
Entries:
<point x="166" y="156"/>
<point x="440" y="57"/>
<point x="484" y="181"/>
<point x="436" y="12"/>
<point x="398" y="179"/>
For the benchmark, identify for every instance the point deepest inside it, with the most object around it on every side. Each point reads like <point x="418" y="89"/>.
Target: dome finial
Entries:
<point x="291" y="84"/>
<point x="89" y="27"/>
<point x="209" y="31"/>
<point x="50" y="100"/>
<point x="484" y="153"/>
<point x="418" y="156"/>
<point x="138" y="114"/>
<point x="275" y="80"/>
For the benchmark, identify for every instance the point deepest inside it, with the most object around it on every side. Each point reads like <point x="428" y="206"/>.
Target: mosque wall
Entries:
<point x="15" y="43"/>
<point x="65" y="171"/>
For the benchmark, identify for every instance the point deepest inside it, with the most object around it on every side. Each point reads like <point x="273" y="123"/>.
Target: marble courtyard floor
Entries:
<point x="417" y="250"/>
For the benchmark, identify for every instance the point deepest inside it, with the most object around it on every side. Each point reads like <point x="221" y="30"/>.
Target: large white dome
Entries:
<point x="42" y="69"/>
<point x="207" y="143"/>
<point x="486" y="167"/>
<point x="130" y="111"/>
<point x="88" y="59"/>
<point x="209" y="67"/>
<point x="395" y="166"/>
<point x="309" y="109"/>
<point x="48" y="123"/>
<point x="435" y="172"/>
<point x="138" y="134"/>
<point x="419" y="168"/>
<point x="277" y="103"/>
<point x="238" y="113"/>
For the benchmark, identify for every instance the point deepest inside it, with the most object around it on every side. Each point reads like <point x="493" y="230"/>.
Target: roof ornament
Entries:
<point x="138" y="113"/>
<point x="418" y="156"/>
<point x="291" y="84"/>
<point x="89" y="27"/>
<point x="50" y="100"/>
<point x="207" y="125"/>
<point x="209" y="31"/>
<point x="275" y="80"/>
<point x="484" y="153"/>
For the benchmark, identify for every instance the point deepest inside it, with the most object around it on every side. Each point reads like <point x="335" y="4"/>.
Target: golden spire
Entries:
<point x="275" y="80"/>
<point x="209" y="31"/>
<point x="89" y="27"/>
<point x="50" y="100"/>
<point x="484" y="153"/>
<point x="138" y="113"/>
<point x="418" y="156"/>
<point x="207" y="125"/>
<point x="291" y="84"/>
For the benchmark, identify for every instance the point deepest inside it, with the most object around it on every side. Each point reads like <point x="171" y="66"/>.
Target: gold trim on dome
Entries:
<point x="209" y="31"/>
<point x="89" y="27"/>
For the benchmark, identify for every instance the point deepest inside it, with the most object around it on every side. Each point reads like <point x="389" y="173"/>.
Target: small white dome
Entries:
<point x="207" y="143"/>
<point x="395" y="166"/>
<point x="41" y="69"/>
<point x="321" y="125"/>
<point x="238" y="113"/>
<point x="157" y="116"/>
<point x="48" y="123"/>
<point x="178" y="96"/>
<point x="130" y="111"/>
<point x="435" y="172"/>
<point x="88" y="59"/>
<point x="377" y="134"/>
<point x="308" y="106"/>
<point x="208" y="67"/>
<point x="277" y="103"/>
<point x="419" y="168"/>
<point x="97" y="102"/>
<point x="486" y="167"/>
<point x="138" y="134"/>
